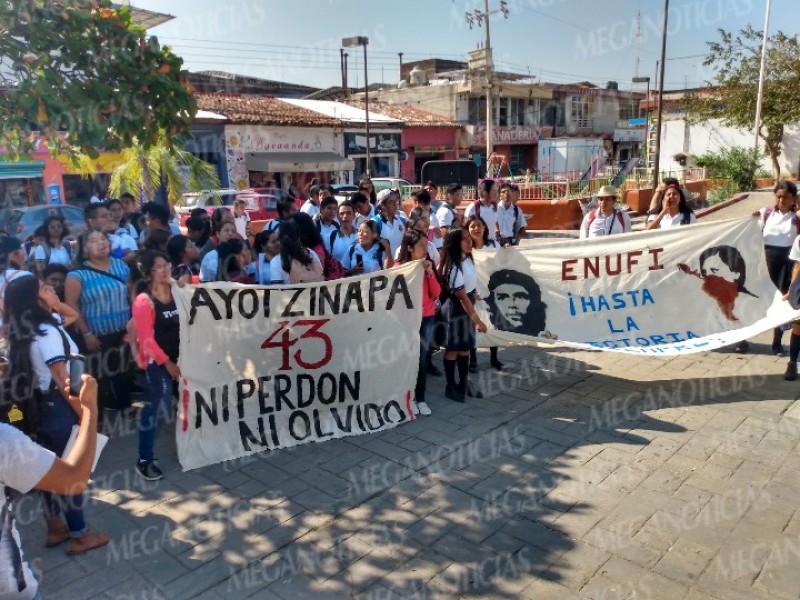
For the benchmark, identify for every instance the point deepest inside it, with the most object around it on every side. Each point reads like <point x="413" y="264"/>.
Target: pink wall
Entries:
<point x="425" y="136"/>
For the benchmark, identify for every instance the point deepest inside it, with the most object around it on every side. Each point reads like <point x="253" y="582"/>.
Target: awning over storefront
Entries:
<point x="21" y="170"/>
<point x="298" y="162"/>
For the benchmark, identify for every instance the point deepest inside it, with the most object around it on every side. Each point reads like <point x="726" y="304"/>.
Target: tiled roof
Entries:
<point x="409" y="115"/>
<point x="260" y="110"/>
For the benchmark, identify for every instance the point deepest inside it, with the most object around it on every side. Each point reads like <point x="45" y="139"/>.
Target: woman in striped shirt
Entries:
<point x="98" y="290"/>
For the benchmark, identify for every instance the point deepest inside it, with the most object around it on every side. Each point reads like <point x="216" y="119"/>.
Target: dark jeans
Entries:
<point x="113" y="369"/>
<point x="157" y="401"/>
<point x="55" y="427"/>
<point x="425" y="335"/>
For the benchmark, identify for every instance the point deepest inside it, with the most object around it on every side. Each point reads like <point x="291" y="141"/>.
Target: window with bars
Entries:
<point x="582" y="112"/>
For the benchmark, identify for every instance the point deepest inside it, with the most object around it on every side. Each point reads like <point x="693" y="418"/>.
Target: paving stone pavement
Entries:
<point x="579" y="475"/>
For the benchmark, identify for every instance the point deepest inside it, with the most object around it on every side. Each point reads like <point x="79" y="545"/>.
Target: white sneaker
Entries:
<point x="423" y="408"/>
<point x="415" y="407"/>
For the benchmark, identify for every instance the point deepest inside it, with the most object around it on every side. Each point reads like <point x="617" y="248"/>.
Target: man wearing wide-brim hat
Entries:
<point x="607" y="219"/>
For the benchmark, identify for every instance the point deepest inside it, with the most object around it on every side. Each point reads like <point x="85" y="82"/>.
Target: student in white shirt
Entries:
<point x="780" y="227"/>
<point x="316" y="194"/>
<point x="347" y="234"/>
<point x="391" y="225"/>
<point x="446" y="214"/>
<point x="240" y="218"/>
<point x="364" y="210"/>
<point x="607" y="219"/>
<point x="326" y="222"/>
<point x="511" y="223"/>
<point x="39" y="354"/>
<point x="674" y="211"/>
<point x="28" y="466"/>
<point x="485" y="207"/>
<point x="369" y="254"/>
<point x="54" y="249"/>
<point x="210" y="263"/>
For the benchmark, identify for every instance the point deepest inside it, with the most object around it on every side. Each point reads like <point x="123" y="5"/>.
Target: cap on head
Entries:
<point x="384" y="195"/>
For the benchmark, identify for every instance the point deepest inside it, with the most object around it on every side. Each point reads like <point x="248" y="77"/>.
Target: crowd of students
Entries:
<point x="108" y="297"/>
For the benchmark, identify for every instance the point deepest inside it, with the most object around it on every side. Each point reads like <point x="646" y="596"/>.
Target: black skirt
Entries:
<point x="461" y="332"/>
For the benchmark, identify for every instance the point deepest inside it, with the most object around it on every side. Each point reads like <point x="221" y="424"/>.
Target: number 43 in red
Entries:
<point x="285" y="337"/>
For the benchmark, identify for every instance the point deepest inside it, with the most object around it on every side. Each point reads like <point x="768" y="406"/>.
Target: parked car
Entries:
<point x="393" y="183"/>
<point x="260" y="202"/>
<point x="343" y="191"/>
<point x="24" y="221"/>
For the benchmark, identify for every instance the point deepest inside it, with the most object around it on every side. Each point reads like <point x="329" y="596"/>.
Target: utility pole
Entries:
<point x="400" y="74"/>
<point x="762" y="73"/>
<point x="483" y="18"/>
<point x="659" y="114"/>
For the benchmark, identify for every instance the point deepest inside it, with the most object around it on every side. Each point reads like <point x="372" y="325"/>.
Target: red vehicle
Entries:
<point x="260" y="203"/>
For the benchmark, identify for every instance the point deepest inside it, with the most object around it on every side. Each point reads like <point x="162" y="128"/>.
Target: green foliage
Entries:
<point x="737" y="59"/>
<point x="82" y="75"/>
<point x="737" y="165"/>
<point x="728" y="189"/>
<point x="144" y="168"/>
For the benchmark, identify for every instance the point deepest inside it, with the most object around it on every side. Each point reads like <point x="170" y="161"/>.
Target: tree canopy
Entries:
<point x="81" y="75"/>
<point x="732" y="98"/>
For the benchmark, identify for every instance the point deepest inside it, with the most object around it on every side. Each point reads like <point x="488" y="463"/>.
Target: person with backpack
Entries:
<point x="369" y="254"/>
<point x="35" y="467"/>
<point x="511" y="223"/>
<point x="415" y="247"/>
<point x="673" y="211"/>
<point x="311" y="239"/>
<point x="446" y="214"/>
<point x="39" y="357"/>
<point x="156" y="344"/>
<point x="780" y="227"/>
<point x="390" y="224"/>
<point x="362" y="207"/>
<point x="325" y="221"/>
<point x="459" y="295"/>
<point x="346" y="235"/>
<point x="54" y="248"/>
<point x="485" y="207"/>
<point x="285" y="207"/>
<point x="606" y="219"/>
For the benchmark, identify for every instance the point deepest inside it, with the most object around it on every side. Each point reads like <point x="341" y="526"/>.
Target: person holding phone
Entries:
<point x="155" y="317"/>
<point x="40" y="357"/>
<point x="28" y="466"/>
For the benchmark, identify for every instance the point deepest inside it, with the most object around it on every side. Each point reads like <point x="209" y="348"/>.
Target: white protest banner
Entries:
<point x="661" y="292"/>
<point x="274" y="367"/>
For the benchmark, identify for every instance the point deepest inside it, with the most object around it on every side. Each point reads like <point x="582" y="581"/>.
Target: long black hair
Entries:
<point x="450" y="255"/>
<point x="46" y="225"/>
<point x="309" y="234"/>
<point x="410" y="239"/>
<point x="228" y="251"/>
<point x="683" y="204"/>
<point x="291" y="246"/>
<point x="733" y="260"/>
<point x="24" y="317"/>
<point x="81" y="255"/>
<point x="140" y="276"/>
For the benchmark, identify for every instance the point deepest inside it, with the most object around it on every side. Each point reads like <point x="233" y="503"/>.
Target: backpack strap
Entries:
<point x="590" y="220"/>
<point x="379" y="254"/>
<point x="477" y="205"/>
<point x="334" y="233"/>
<point x="7" y="534"/>
<point x="621" y="220"/>
<point x="379" y="221"/>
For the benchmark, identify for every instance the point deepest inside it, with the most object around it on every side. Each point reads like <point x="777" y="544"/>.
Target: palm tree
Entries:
<point x="143" y="171"/>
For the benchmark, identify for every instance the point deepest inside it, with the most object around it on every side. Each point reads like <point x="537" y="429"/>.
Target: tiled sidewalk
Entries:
<point x="580" y="475"/>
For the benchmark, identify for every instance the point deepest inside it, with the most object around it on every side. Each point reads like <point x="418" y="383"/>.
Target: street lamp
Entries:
<point x="646" y="112"/>
<point x="353" y="42"/>
<point x="659" y="116"/>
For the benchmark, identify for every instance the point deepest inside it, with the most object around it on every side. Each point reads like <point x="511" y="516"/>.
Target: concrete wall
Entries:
<point x="438" y="99"/>
<point x="677" y="136"/>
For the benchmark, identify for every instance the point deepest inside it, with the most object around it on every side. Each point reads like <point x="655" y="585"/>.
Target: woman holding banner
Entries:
<point x="415" y="247"/>
<point x="157" y="330"/>
<point x="458" y="310"/>
<point x="479" y="233"/>
<point x="780" y="227"/>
